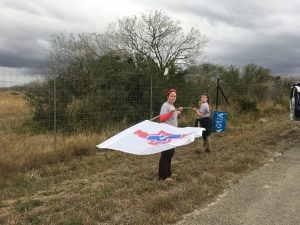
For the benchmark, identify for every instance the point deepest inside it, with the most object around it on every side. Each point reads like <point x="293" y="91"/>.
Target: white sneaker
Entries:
<point x="169" y="179"/>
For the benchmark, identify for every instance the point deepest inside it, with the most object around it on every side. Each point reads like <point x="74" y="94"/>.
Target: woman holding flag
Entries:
<point x="169" y="116"/>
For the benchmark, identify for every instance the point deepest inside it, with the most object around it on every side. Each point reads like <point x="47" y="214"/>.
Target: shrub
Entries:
<point x="283" y="101"/>
<point x="247" y="104"/>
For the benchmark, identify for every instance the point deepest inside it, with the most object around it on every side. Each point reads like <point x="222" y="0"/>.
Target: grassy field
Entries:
<point x="77" y="184"/>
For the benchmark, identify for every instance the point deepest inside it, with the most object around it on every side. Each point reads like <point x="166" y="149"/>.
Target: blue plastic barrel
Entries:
<point x="219" y="121"/>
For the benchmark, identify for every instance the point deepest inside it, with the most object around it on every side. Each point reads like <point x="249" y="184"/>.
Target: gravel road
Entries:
<point x="269" y="195"/>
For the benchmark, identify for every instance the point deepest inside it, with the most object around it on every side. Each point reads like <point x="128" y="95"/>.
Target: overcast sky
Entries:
<point x="263" y="32"/>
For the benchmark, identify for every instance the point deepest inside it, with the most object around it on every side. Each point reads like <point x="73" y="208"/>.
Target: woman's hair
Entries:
<point x="171" y="90"/>
<point x="207" y="96"/>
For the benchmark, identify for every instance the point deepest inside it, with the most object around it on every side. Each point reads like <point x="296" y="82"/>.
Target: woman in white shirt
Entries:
<point x="203" y="114"/>
<point x="169" y="116"/>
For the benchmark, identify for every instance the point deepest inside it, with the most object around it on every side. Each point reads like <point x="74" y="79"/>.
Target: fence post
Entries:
<point x="54" y="112"/>
<point x="217" y="96"/>
<point x="151" y="100"/>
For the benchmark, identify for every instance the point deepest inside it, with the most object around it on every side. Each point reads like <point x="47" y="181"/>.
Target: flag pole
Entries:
<point x="168" y="112"/>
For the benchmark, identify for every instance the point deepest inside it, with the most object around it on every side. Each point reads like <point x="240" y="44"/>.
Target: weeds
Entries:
<point x="77" y="184"/>
<point x="27" y="205"/>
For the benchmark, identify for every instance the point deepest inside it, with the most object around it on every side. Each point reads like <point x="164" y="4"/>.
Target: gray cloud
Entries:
<point x="26" y="28"/>
<point x="241" y="32"/>
<point x="279" y="52"/>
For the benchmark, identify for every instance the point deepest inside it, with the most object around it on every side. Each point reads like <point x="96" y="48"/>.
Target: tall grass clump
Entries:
<point x="13" y="111"/>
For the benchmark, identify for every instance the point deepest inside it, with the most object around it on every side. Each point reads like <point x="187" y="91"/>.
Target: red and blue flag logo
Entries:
<point x="161" y="137"/>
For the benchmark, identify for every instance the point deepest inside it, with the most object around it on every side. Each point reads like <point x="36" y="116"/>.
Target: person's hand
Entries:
<point x="180" y="109"/>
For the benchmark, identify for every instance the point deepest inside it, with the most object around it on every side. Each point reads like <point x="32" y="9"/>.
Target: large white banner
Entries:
<point x="149" y="137"/>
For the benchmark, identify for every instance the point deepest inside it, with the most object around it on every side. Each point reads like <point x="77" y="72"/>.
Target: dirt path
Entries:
<point x="268" y="195"/>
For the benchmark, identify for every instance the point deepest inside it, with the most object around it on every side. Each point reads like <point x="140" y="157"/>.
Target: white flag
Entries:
<point x="148" y="137"/>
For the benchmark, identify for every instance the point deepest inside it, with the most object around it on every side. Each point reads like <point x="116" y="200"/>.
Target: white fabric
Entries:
<point x="149" y="137"/>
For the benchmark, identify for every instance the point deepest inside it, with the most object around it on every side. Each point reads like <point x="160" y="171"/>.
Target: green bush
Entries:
<point x="247" y="104"/>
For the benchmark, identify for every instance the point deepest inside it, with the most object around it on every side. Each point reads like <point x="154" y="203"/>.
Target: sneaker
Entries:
<point x="169" y="180"/>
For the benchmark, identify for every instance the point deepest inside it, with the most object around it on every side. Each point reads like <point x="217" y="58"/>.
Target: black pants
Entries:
<point x="164" y="170"/>
<point x="205" y="123"/>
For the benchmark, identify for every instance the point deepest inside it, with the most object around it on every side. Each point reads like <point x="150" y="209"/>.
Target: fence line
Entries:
<point x="64" y="105"/>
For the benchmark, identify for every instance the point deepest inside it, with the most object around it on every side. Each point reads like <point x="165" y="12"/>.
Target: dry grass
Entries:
<point x="109" y="187"/>
<point x="12" y="104"/>
<point x="13" y="110"/>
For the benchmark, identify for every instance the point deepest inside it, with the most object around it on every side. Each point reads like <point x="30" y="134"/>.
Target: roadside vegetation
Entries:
<point x="77" y="184"/>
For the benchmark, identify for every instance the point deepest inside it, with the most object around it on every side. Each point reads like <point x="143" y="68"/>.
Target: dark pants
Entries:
<point x="164" y="170"/>
<point x="205" y="123"/>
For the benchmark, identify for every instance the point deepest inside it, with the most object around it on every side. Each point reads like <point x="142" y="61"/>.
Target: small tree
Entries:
<point x="254" y="80"/>
<point x="106" y="77"/>
<point x="156" y="37"/>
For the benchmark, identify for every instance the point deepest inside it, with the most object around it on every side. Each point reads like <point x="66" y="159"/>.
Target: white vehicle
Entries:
<point x="295" y="102"/>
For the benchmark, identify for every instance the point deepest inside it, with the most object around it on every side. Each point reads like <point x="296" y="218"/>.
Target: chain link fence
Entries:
<point x="36" y="102"/>
<point x="45" y="103"/>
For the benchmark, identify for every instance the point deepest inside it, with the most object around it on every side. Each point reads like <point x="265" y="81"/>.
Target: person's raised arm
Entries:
<point x="200" y="114"/>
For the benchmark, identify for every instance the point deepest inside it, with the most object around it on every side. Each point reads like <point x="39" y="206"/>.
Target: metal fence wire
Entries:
<point x="59" y="104"/>
<point x="66" y="105"/>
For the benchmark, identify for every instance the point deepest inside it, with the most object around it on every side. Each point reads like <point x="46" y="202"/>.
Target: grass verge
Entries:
<point x="77" y="184"/>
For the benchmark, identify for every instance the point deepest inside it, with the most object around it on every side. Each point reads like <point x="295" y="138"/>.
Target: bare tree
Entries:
<point x="69" y="47"/>
<point x="156" y="37"/>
